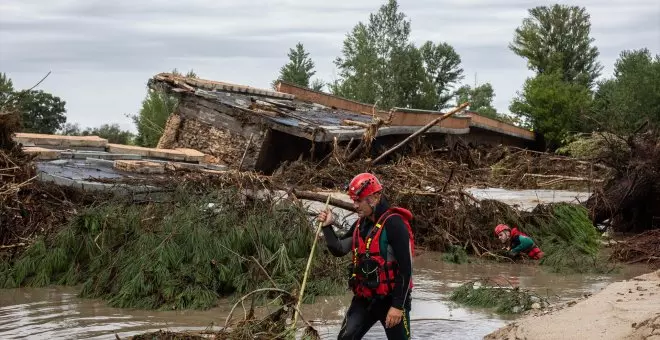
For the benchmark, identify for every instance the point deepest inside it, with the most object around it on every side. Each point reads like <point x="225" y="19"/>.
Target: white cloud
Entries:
<point x="102" y="53"/>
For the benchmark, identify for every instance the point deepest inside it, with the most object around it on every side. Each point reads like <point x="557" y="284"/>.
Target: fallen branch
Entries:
<point x="565" y="178"/>
<point x="420" y="131"/>
<point x="13" y="246"/>
<point x="322" y="198"/>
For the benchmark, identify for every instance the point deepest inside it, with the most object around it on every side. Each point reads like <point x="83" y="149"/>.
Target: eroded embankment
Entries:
<point x="628" y="309"/>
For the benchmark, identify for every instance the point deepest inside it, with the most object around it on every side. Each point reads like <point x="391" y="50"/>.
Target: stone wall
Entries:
<point x="214" y="129"/>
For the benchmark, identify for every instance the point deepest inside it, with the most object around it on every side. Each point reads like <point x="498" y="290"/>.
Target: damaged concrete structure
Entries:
<point x="257" y="129"/>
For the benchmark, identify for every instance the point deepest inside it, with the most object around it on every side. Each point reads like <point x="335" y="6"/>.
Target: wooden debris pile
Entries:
<point x="630" y="201"/>
<point x="28" y="207"/>
<point x="640" y="248"/>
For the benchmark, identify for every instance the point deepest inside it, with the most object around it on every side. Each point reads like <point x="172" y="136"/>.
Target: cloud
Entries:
<point x="102" y="53"/>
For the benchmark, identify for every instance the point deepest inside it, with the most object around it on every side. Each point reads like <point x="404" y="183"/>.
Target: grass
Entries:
<point x="179" y="255"/>
<point x="505" y="300"/>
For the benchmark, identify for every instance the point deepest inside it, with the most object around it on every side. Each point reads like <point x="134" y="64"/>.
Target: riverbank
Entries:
<point x="627" y="309"/>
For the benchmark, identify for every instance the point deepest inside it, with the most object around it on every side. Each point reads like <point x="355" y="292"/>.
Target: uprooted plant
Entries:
<point x="182" y="253"/>
<point x="487" y="293"/>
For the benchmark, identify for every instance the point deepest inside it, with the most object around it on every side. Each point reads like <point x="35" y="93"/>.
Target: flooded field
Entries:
<point x="56" y="312"/>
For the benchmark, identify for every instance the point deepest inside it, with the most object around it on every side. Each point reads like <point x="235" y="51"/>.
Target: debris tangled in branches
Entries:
<point x="631" y="199"/>
<point x="641" y="248"/>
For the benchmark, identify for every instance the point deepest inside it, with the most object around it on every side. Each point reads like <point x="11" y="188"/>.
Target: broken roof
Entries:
<point x="316" y="115"/>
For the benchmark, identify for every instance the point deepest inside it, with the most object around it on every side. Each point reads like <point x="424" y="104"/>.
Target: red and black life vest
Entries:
<point x="370" y="249"/>
<point x="535" y="252"/>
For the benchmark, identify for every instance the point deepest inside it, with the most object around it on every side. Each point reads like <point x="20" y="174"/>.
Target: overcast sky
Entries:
<point x="101" y="53"/>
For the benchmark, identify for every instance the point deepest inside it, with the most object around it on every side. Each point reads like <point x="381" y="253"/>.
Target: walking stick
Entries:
<point x="309" y="262"/>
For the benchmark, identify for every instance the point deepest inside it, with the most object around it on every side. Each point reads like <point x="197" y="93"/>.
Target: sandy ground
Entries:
<point x="623" y="310"/>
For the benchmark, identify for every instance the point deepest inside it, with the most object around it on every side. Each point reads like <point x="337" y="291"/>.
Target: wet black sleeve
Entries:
<point x="399" y="240"/>
<point x="338" y="246"/>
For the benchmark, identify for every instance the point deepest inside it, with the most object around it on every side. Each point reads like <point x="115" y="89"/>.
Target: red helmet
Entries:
<point x="500" y="228"/>
<point x="363" y="185"/>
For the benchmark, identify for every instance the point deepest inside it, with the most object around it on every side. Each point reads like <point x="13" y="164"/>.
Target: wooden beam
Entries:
<point x="420" y="131"/>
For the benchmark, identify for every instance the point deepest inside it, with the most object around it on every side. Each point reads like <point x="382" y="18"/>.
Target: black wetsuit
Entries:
<point x="363" y="313"/>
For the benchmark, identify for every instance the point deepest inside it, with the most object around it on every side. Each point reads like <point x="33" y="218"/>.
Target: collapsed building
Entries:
<point x="257" y="129"/>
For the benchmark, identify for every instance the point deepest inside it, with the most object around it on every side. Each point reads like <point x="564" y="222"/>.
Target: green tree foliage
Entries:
<point x="41" y="111"/>
<point x="632" y="96"/>
<point x="480" y="99"/>
<point x="150" y="122"/>
<point x="156" y="108"/>
<point x="112" y="132"/>
<point x="556" y="39"/>
<point x="442" y="68"/>
<point x="6" y="87"/>
<point x="553" y="106"/>
<point x="380" y="65"/>
<point x="299" y="70"/>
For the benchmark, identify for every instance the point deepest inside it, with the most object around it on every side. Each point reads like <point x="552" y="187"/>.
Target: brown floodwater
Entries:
<point x="57" y="312"/>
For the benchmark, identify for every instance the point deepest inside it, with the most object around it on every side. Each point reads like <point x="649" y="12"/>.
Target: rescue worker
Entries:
<point x="380" y="275"/>
<point x="518" y="242"/>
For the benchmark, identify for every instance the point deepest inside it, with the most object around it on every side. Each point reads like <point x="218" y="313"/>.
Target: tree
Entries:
<point x="556" y="39"/>
<point x="442" y="68"/>
<point x="299" y="70"/>
<point x="553" y="106"/>
<point x="41" y="112"/>
<point x="150" y="122"/>
<point x="112" y="132"/>
<point x="379" y="65"/>
<point x="480" y="99"/>
<point x="70" y="129"/>
<point x="156" y="109"/>
<point x="6" y="87"/>
<point x="632" y="96"/>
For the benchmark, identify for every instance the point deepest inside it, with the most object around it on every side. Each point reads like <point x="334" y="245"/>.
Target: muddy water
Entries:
<point x="56" y="312"/>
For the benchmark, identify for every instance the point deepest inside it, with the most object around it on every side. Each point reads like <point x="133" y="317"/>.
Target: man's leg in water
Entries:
<point x="358" y="320"/>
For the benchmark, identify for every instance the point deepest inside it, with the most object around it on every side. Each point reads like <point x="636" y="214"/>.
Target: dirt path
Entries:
<point x="623" y="310"/>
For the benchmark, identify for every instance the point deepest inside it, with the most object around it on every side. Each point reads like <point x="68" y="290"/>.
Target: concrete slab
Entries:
<point x="183" y="155"/>
<point x="100" y="155"/>
<point x="140" y="167"/>
<point x="42" y="153"/>
<point x="61" y="141"/>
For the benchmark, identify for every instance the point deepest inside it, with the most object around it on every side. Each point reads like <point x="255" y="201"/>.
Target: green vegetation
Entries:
<point x="299" y="70"/>
<point x="380" y="65"/>
<point x="556" y="39"/>
<point x="157" y="107"/>
<point x="567" y="237"/>
<point x="41" y="112"/>
<point x="631" y="97"/>
<point x="179" y="254"/>
<point x="455" y="254"/>
<point x="480" y="99"/>
<point x="505" y="300"/>
<point x="112" y="132"/>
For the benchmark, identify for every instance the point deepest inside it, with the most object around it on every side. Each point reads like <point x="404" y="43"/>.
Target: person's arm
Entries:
<point x="339" y="246"/>
<point x="399" y="240"/>
<point x="525" y="243"/>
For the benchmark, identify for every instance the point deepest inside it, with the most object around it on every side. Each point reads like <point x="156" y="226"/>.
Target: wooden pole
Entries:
<point x="314" y="196"/>
<point x="309" y="262"/>
<point x="240" y="165"/>
<point x="420" y="131"/>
